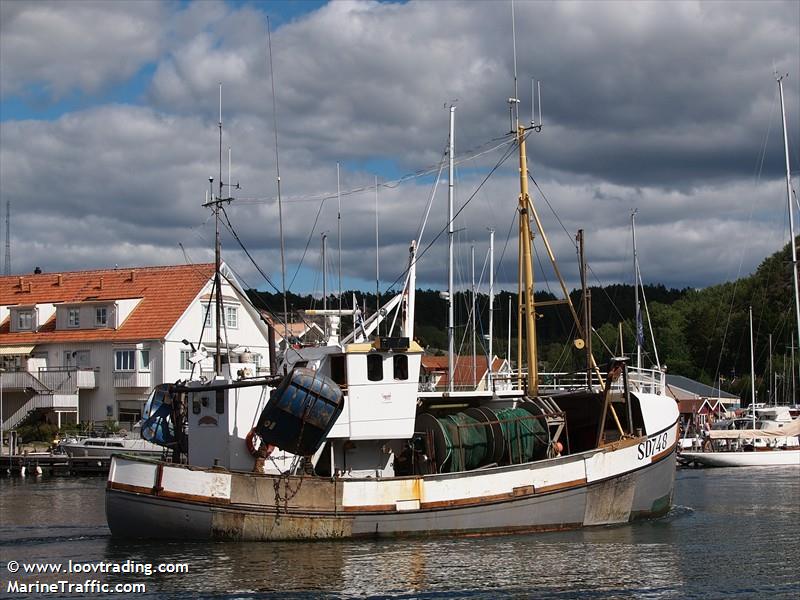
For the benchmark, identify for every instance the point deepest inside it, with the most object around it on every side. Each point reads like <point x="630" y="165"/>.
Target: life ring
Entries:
<point x="249" y="440"/>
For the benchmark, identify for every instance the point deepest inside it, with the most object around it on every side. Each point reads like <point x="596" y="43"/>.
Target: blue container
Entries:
<point x="300" y="412"/>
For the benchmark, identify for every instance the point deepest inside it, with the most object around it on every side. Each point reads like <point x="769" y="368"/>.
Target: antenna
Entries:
<point x="278" y="181"/>
<point x="514" y="43"/>
<point x="8" y="238"/>
<point x="339" y="234"/>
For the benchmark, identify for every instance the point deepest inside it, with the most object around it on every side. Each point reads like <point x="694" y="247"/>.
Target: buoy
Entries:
<point x="38" y="470"/>
<point x="22" y="471"/>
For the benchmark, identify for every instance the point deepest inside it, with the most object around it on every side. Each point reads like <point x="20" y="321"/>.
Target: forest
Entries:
<point x="702" y="334"/>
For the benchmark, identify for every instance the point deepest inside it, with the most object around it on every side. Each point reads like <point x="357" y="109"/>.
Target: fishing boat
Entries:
<point x="345" y="444"/>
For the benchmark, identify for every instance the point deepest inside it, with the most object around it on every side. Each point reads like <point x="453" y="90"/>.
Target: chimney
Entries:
<point x="101" y="282"/>
<point x="37" y="270"/>
<point x="133" y="276"/>
<point x="19" y="284"/>
<point x="59" y="279"/>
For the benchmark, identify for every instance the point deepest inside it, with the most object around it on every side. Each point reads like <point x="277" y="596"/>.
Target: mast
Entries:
<point x="752" y="372"/>
<point x="278" y="182"/>
<point x="489" y="383"/>
<point x="377" y="262"/>
<point x="586" y="318"/>
<point x="450" y="325"/>
<point x="525" y="236"/>
<point x="325" y="281"/>
<point x="474" y="323"/>
<point x="639" y="332"/>
<point x="791" y="209"/>
<point x="339" y="233"/>
<point x="217" y="254"/>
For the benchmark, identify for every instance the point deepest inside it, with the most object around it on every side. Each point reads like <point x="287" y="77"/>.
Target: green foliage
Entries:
<point x="702" y="334"/>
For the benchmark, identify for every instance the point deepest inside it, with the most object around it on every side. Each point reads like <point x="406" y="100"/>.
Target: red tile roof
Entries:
<point x="463" y="375"/>
<point x="165" y="294"/>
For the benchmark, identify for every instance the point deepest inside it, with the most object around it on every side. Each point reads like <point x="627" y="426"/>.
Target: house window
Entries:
<point x="25" y="319"/>
<point x="77" y="358"/>
<point x="186" y="365"/>
<point x="374" y="367"/>
<point x="400" y="363"/>
<point x="124" y="360"/>
<point x="101" y="316"/>
<point x="74" y="317"/>
<point x="144" y="360"/>
<point x="209" y="313"/>
<point x="232" y="317"/>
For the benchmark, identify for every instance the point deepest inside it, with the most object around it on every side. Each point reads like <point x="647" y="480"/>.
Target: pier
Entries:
<point x="53" y="464"/>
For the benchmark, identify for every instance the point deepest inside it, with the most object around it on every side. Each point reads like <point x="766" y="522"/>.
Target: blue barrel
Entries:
<point x="300" y="412"/>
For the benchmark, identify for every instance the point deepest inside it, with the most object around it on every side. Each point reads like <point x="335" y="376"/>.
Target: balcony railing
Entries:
<point x="132" y="379"/>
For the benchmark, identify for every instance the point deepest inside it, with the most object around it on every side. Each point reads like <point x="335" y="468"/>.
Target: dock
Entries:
<point x="53" y="464"/>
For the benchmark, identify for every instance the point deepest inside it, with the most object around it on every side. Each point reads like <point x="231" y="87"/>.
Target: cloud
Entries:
<point x="665" y="107"/>
<point x="74" y="46"/>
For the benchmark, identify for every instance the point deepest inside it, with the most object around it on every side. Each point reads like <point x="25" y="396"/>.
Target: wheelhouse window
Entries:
<point x="232" y="317"/>
<point x="400" y="365"/>
<point x="124" y="360"/>
<point x="338" y="372"/>
<point x="375" y="367"/>
<point x="101" y="316"/>
<point x="74" y="317"/>
<point x="25" y="320"/>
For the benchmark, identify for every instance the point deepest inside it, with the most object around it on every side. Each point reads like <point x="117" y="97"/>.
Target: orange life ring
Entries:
<point x="249" y="440"/>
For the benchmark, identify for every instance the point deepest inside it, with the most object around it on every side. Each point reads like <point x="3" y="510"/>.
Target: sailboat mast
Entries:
<point x="474" y="323"/>
<point x="491" y="310"/>
<point x="325" y="281"/>
<point x="636" y="294"/>
<point x="791" y="207"/>
<point x="752" y="372"/>
<point x="450" y="182"/>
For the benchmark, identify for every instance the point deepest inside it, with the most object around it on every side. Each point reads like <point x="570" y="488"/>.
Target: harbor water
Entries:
<point x="734" y="533"/>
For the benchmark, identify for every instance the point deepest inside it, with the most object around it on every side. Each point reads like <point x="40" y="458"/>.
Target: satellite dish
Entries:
<point x="579" y="344"/>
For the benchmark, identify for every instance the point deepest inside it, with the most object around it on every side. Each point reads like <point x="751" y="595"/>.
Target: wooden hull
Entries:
<point x="616" y="484"/>
<point x="760" y="458"/>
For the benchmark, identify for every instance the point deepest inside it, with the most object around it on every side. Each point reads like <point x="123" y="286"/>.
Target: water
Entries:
<point x="734" y="533"/>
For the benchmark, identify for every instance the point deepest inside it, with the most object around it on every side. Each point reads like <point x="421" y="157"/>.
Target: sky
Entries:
<point x="109" y="133"/>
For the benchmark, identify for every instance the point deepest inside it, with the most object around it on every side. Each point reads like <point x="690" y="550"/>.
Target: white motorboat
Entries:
<point x="105" y="447"/>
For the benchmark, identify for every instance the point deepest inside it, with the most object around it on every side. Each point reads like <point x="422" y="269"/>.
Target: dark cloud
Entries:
<point x="667" y="107"/>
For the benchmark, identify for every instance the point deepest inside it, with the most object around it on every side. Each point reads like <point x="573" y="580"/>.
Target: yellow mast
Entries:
<point x="526" y="283"/>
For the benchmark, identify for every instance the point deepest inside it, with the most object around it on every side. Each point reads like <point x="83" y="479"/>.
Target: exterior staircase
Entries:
<point x="53" y="389"/>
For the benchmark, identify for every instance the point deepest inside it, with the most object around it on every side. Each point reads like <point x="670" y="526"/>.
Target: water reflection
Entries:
<point x="733" y="534"/>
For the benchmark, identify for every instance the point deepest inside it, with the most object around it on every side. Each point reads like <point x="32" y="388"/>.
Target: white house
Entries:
<point x="90" y="345"/>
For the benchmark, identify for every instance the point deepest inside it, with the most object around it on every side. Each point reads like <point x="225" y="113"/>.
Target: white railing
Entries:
<point x="132" y="379"/>
<point x="86" y="379"/>
<point x="56" y="401"/>
<point x="650" y="381"/>
<point x="20" y="380"/>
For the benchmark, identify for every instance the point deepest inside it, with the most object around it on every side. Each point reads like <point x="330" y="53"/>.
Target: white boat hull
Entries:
<point x="615" y="484"/>
<point x="758" y="458"/>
